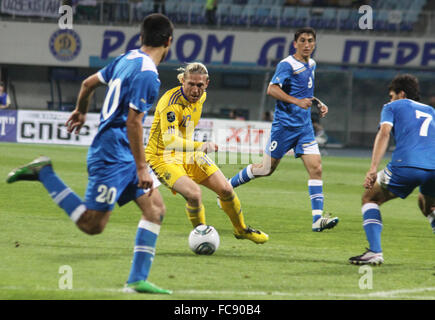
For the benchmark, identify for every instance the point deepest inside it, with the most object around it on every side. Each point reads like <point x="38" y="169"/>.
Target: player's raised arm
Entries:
<point x="78" y="116"/>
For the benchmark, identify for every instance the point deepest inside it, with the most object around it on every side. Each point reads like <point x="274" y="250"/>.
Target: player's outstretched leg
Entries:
<point x="41" y="169"/>
<point x="147" y="233"/>
<point x="232" y="207"/>
<point x="244" y="176"/>
<point x="195" y="214"/>
<point x="230" y="203"/>
<point x="320" y="223"/>
<point x="30" y="171"/>
<point x="372" y="223"/>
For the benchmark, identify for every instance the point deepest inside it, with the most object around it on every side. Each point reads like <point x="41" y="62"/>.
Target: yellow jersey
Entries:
<point x="174" y="123"/>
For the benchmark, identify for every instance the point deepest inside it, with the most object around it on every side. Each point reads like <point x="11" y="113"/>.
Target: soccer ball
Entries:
<point x="204" y="240"/>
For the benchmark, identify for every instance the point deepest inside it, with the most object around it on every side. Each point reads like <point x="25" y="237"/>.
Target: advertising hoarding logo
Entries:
<point x="65" y="44"/>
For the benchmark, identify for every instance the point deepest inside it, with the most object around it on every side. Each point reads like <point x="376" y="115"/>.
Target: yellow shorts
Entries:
<point x="198" y="168"/>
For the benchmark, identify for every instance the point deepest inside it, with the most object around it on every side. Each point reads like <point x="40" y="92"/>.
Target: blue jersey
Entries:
<point x="133" y="82"/>
<point x="297" y="80"/>
<point x="414" y="132"/>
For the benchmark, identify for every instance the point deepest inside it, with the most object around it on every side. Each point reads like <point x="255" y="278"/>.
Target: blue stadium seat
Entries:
<point x="288" y="17"/>
<point x="302" y="17"/>
<point x="246" y="16"/>
<point x="223" y="14"/>
<point x="197" y="14"/>
<point x="236" y="15"/>
<point x="380" y="19"/>
<point x="260" y="16"/>
<point x="171" y="7"/>
<point x="330" y="18"/>
<point x="275" y="16"/>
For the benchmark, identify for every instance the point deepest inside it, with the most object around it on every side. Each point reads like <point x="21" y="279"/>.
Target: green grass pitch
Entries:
<point x="37" y="239"/>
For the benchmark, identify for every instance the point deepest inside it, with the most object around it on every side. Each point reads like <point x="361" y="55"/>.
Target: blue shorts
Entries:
<point x="112" y="182"/>
<point x="282" y="139"/>
<point x="401" y="181"/>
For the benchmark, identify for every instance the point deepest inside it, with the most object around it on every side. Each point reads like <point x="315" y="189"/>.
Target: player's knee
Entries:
<point x="368" y="198"/>
<point x="92" y="229"/>
<point x="316" y="171"/>
<point x="265" y="170"/>
<point x="160" y="211"/>
<point x="194" y="194"/>
<point x="91" y="223"/>
<point x="271" y="170"/>
<point x="226" y="191"/>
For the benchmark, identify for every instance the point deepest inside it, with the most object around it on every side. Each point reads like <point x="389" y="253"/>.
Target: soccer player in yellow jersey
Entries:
<point x="181" y="163"/>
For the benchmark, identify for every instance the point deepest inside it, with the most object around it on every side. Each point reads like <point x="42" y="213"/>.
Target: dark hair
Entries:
<point x="406" y="83"/>
<point x="2" y="84"/>
<point x="308" y="30"/>
<point x="156" y="30"/>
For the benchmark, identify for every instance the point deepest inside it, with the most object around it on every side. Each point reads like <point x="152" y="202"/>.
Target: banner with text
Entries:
<point x="48" y="127"/>
<point x="40" y="8"/>
<point x="96" y="46"/>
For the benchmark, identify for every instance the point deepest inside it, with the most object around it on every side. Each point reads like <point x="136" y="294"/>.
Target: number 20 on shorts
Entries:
<point x="106" y="195"/>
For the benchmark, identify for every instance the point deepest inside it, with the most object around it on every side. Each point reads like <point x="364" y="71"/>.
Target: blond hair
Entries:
<point x="194" y="67"/>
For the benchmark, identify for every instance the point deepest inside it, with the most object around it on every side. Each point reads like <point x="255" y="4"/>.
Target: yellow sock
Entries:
<point x="196" y="215"/>
<point x="233" y="209"/>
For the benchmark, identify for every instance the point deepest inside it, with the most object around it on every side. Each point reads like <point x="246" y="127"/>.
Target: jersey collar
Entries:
<point x="184" y="98"/>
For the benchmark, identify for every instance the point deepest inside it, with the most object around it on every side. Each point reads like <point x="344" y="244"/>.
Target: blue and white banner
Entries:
<point x="95" y="46"/>
<point x="8" y="126"/>
<point x="39" y="8"/>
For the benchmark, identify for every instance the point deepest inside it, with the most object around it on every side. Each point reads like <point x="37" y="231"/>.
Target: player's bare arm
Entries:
<point x="78" y="117"/>
<point x="135" y="137"/>
<point x="276" y="92"/>
<point x="379" y="148"/>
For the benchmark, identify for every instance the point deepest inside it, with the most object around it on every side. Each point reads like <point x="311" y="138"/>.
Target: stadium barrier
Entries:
<point x="248" y="138"/>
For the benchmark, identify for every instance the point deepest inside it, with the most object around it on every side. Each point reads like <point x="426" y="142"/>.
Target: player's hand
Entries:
<point x="145" y="180"/>
<point x="75" y="121"/>
<point x="323" y="109"/>
<point x="209" y="147"/>
<point x="370" y="179"/>
<point x="305" y="103"/>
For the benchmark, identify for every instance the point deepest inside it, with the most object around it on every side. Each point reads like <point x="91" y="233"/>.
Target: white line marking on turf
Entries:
<point x="401" y="293"/>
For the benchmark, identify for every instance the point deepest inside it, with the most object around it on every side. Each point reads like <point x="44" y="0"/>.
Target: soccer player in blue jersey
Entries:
<point x="292" y="86"/>
<point x="412" y="165"/>
<point x="116" y="158"/>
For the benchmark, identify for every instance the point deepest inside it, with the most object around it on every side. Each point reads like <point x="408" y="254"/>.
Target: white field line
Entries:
<point x="402" y="293"/>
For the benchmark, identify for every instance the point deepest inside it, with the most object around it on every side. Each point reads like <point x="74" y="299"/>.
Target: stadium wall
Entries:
<point x="94" y="46"/>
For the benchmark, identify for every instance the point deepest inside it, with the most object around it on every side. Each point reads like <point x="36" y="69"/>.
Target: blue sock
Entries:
<point x="61" y="194"/>
<point x="144" y="250"/>
<point x="315" y="189"/>
<point x="372" y="223"/>
<point x="242" y="177"/>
